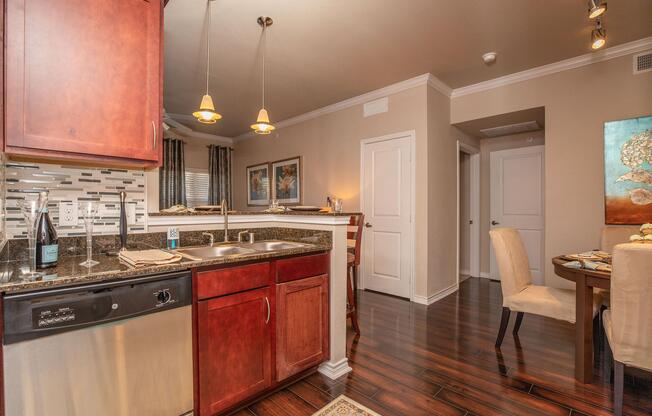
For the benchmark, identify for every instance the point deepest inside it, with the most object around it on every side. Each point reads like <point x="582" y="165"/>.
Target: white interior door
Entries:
<point x="387" y="193"/>
<point x="517" y="192"/>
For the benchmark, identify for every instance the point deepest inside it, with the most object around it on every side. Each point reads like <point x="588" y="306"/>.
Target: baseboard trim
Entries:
<point x="465" y="272"/>
<point x="335" y="370"/>
<point x="429" y="300"/>
<point x="485" y="275"/>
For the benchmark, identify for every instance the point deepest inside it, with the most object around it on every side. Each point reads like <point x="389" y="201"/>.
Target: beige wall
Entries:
<point x="487" y="146"/>
<point x="330" y="149"/>
<point x="442" y="194"/>
<point x="577" y="103"/>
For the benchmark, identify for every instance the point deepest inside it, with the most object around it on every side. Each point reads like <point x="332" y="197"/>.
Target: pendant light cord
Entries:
<point x="208" y="44"/>
<point x="264" y="53"/>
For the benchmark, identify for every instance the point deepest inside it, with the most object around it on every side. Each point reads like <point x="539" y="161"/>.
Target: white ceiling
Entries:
<point x="324" y="51"/>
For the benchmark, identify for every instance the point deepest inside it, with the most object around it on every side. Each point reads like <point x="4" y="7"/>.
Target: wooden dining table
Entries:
<point x="585" y="280"/>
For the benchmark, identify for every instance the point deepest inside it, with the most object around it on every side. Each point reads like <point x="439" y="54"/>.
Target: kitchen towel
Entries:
<point x="153" y="257"/>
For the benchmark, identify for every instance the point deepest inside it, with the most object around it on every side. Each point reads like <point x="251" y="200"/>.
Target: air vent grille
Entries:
<point x="511" y="129"/>
<point x="643" y="62"/>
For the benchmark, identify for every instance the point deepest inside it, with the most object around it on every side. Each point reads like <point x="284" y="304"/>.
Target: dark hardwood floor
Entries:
<point x="440" y="360"/>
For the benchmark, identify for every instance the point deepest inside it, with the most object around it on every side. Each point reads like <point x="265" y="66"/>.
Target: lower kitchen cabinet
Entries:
<point x="302" y="325"/>
<point x="233" y="348"/>
<point x="258" y="327"/>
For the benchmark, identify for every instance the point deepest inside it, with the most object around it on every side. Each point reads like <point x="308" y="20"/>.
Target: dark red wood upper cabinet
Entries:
<point x="302" y="339"/>
<point x="83" y="79"/>
<point x="233" y="348"/>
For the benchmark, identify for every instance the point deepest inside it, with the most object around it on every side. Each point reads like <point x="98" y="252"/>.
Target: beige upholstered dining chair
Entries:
<point x="519" y="294"/>
<point x="617" y="234"/>
<point x="628" y="322"/>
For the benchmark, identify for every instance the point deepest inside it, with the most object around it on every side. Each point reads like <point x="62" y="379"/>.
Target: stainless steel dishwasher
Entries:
<point x="117" y="348"/>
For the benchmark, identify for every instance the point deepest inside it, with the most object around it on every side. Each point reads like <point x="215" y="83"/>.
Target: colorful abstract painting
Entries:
<point x="628" y="171"/>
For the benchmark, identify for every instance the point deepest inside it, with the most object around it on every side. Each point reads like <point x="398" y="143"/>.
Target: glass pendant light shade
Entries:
<point x="262" y="126"/>
<point x="207" y="113"/>
<point x="597" y="8"/>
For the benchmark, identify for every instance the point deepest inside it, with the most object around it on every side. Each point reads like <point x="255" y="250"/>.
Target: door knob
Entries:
<point x="367" y="225"/>
<point x="493" y="222"/>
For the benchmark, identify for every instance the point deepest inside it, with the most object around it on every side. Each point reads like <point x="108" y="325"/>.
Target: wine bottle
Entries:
<point x="47" y="243"/>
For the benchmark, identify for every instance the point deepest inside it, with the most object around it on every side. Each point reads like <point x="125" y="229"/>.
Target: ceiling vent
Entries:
<point x="511" y="129"/>
<point x="643" y="62"/>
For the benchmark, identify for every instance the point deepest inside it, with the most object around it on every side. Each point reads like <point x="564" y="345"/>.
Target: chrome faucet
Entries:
<point x="240" y="234"/>
<point x="211" y="238"/>
<point x="225" y="212"/>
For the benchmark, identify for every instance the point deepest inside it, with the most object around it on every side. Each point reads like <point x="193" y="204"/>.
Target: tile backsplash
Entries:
<point x="75" y="184"/>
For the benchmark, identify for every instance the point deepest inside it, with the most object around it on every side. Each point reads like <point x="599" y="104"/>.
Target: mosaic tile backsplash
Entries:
<point x="75" y="184"/>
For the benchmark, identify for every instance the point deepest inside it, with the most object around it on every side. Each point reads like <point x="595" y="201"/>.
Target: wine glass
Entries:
<point x="31" y="211"/>
<point x="89" y="212"/>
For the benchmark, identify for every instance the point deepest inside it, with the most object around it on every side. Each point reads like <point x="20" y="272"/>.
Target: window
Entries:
<point x="196" y="187"/>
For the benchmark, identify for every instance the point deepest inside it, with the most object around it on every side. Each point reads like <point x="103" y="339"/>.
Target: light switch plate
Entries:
<point x="68" y="214"/>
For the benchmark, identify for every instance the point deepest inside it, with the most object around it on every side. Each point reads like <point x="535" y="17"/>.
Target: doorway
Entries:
<point x="387" y="198"/>
<point x="468" y="211"/>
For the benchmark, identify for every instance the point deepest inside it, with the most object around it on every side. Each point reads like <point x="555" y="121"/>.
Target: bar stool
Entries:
<point x="354" y="249"/>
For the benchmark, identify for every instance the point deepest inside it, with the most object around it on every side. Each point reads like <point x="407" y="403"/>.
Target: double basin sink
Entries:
<point x="233" y="249"/>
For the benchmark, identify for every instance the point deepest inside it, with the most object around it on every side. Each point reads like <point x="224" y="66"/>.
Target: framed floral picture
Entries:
<point x="258" y="184"/>
<point x="628" y="171"/>
<point x="286" y="181"/>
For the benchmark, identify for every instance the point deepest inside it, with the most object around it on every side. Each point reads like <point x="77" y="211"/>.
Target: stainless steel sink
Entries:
<point x="210" y="252"/>
<point x="274" y="245"/>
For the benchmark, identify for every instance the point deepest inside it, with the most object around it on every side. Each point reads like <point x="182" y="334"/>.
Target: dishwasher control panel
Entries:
<point x="28" y="316"/>
<point x="50" y="317"/>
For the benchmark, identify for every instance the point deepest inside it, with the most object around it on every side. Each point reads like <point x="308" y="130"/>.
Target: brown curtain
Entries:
<point x="172" y="176"/>
<point x="219" y="175"/>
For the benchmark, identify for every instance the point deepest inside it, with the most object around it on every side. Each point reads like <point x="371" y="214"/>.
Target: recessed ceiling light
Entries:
<point x="596" y="8"/>
<point x="489" y="57"/>
<point x="598" y="36"/>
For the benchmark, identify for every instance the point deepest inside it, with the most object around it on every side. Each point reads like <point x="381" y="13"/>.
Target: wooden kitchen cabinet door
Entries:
<point x="233" y="349"/>
<point x="83" y="78"/>
<point x="302" y="325"/>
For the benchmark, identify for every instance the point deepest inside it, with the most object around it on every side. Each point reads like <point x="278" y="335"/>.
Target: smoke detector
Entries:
<point x="489" y="58"/>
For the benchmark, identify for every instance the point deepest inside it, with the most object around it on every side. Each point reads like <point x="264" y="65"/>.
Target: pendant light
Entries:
<point x="596" y="8"/>
<point x="598" y="36"/>
<point x="263" y="126"/>
<point x="206" y="113"/>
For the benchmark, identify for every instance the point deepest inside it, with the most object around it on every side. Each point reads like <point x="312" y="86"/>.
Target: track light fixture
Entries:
<point x="598" y="36"/>
<point x="597" y="8"/>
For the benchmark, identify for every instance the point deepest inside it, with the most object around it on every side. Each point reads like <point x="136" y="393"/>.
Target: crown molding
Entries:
<point x="424" y="79"/>
<point x="171" y="120"/>
<point x="639" y="45"/>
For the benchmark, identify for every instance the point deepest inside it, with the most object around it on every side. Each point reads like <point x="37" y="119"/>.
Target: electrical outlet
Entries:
<point x="68" y="214"/>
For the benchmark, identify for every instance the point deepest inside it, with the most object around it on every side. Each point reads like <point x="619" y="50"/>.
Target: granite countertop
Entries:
<point x="316" y="213"/>
<point x="68" y="272"/>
